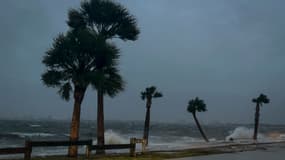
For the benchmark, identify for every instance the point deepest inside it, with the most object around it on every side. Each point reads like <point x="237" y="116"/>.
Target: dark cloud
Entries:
<point x="223" y="51"/>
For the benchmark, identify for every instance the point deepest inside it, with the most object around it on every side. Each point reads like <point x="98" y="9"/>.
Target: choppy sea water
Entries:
<point x="13" y="133"/>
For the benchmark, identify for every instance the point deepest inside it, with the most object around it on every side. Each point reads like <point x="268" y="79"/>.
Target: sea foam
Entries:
<point x="243" y="133"/>
<point x="35" y="125"/>
<point x="112" y="137"/>
<point x="24" y="135"/>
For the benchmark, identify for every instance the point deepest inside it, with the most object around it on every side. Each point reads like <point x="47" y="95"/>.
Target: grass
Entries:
<point x="146" y="156"/>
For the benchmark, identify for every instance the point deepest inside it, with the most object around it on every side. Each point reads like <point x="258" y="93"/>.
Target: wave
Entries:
<point x="282" y="136"/>
<point x="112" y="137"/>
<point x="35" y="125"/>
<point x="243" y="133"/>
<point x="8" y="135"/>
<point x="156" y="142"/>
<point x="39" y="134"/>
<point x="276" y="135"/>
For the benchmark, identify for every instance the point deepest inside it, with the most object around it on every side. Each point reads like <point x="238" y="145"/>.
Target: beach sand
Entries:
<point x="275" y="153"/>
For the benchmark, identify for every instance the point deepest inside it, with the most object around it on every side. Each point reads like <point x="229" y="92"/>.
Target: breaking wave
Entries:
<point x="243" y="133"/>
<point x="24" y="135"/>
<point x="112" y="137"/>
<point x="35" y="125"/>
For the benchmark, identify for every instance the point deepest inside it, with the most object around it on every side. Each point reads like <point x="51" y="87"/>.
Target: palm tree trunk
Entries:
<point x="75" y="123"/>
<point x="100" y="121"/>
<point x="256" y="121"/>
<point x="200" y="128"/>
<point x="147" y="121"/>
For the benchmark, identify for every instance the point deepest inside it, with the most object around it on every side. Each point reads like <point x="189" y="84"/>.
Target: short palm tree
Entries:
<point x="108" y="20"/>
<point x="260" y="100"/>
<point x="197" y="105"/>
<point x="147" y="95"/>
<point x="71" y="67"/>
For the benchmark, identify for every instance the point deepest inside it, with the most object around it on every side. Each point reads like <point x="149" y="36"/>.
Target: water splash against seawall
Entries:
<point x="112" y="137"/>
<point x="243" y="133"/>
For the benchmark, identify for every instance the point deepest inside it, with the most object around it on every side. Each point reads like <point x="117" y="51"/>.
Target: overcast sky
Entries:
<point x="223" y="51"/>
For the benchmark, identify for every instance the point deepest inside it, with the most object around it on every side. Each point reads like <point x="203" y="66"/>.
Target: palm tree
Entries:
<point x="197" y="105"/>
<point x="259" y="101"/>
<point x="147" y="95"/>
<point x="108" y="20"/>
<point x="70" y="67"/>
<point x="107" y="82"/>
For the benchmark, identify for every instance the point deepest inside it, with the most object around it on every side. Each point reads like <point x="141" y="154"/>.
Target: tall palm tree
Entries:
<point x="259" y="102"/>
<point x="197" y="105"/>
<point x="147" y="95"/>
<point x="108" y="19"/>
<point x="70" y="67"/>
<point x="107" y="82"/>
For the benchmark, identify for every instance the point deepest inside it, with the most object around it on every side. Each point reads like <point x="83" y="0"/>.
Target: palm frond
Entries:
<point x="262" y="98"/>
<point x="143" y="95"/>
<point x="65" y="91"/>
<point x="110" y="19"/>
<point x="157" y="95"/>
<point x="191" y="106"/>
<point x="75" y="19"/>
<point x="254" y="100"/>
<point x="68" y="60"/>
<point x="196" y="105"/>
<point x="151" y="90"/>
<point x="53" y="78"/>
<point x="108" y="80"/>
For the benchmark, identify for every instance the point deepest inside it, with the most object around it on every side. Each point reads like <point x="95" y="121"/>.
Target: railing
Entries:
<point x="131" y="146"/>
<point x="142" y="141"/>
<point x="30" y="144"/>
<point x="27" y="150"/>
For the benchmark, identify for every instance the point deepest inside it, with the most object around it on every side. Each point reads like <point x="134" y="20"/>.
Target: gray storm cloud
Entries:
<point x="224" y="51"/>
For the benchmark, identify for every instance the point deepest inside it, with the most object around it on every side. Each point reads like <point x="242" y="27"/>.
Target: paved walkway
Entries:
<point x="270" y="154"/>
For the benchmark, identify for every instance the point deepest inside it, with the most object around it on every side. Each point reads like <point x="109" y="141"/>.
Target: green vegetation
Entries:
<point x="84" y="57"/>
<point x="147" y="95"/>
<point x="71" y="67"/>
<point x="146" y="156"/>
<point x="197" y="105"/>
<point x="108" y="20"/>
<point x="259" y="101"/>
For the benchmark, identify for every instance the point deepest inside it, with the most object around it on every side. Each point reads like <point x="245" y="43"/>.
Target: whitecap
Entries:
<point x="112" y="137"/>
<point x="243" y="133"/>
<point x="24" y="135"/>
<point x="35" y="125"/>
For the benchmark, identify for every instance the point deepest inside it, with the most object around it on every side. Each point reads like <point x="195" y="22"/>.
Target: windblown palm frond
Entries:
<point x="109" y="19"/>
<point x="150" y="92"/>
<point x="261" y="99"/>
<point x="196" y="105"/>
<point x="109" y="81"/>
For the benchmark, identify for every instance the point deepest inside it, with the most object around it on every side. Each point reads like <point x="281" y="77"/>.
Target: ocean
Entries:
<point x="163" y="136"/>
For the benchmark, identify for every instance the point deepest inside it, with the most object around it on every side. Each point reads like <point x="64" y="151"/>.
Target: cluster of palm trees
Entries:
<point x="85" y="56"/>
<point x="198" y="105"/>
<point x="195" y="105"/>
